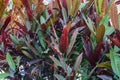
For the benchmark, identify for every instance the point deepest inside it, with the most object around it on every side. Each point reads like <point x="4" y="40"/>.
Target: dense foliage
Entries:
<point x="63" y="40"/>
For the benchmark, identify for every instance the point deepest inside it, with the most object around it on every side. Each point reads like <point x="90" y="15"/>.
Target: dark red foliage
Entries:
<point x="93" y="56"/>
<point x="52" y="47"/>
<point x="28" y="9"/>
<point x="115" y="40"/>
<point x="43" y="28"/>
<point x="64" y="39"/>
<point x="22" y="27"/>
<point x="5" y="24"/>
<point x="4" y="34"/>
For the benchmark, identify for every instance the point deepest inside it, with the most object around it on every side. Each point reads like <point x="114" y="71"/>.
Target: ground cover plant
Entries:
<point x="61" y="40"/>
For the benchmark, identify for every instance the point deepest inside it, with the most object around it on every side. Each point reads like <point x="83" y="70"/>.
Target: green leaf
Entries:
<point x="95" y="3"/>
<point x="41" y="37"/>
<point x="105" y="20"/>
<point x="18" y="61"/>
<point x="10" y="62"/>
<point x="115" y="61"/>
<point x="89" y="23"/>
<point x="82" y="5"/>
<point x="109" y="31"/>
<point x="14" y="39"/>
<point x="100" y="5"/>
<point x="64" y="14"/>
<point x="59" y="77"/>
<point x="105" y="65"/>
<point x="42" y="19"/>
<point x="56" y="61"/>
<point x="4" y="75"/>
<point x="93" y="40"/>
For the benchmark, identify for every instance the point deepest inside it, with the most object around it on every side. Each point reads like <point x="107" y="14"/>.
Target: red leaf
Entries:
<point x="22" y="27"/>
<point x="64" y="38"/>
<point x="43" y="26"/>
<point x="3" y="33"/>
<point x="118" y="34"/>
<point x="5" y="24"/>
<point x="28" y="10"/>
<point x="97" y="51"/>
<point x="115" y="41"/>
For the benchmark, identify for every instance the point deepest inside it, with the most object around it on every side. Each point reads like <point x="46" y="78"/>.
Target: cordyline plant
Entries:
<point x="64" y="40"/>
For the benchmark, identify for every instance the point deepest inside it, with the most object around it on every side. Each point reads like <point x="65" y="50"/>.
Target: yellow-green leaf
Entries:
<point x="75" y="7"/>
<point x="51" y="21"/>
<point x="27" y="54"/>
<point x="100" y="30"/>
<point x="69" y="6"/>
<point x="100" y="5"/>
<point x="105" y="65"/>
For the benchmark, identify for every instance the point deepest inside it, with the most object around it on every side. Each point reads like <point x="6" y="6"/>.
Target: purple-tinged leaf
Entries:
<point x="78" y="61"/>
<point x="97" y="51"/>
<point x="88" y="51"/>
<point x="72" y="41"/>
<point x="104" y="77"/>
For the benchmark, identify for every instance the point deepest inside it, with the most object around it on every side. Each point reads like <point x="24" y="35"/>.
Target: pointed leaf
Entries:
<point x="63" y="45"/>
<point x="56" y="61"/>
<point x="14" y="39"/>
<point x="105" y="65"/>
<point x="78" y="61"/>
<point x="115" y="61"/>
<point x="4" y="75"/>
<point x="100" y="33"/>
<point x="10" y="62"/>
<point x="27" y="54"/>
<point x="69" y="6"/>
<point x="100" y="5"/>
<point x="72" y="41"/>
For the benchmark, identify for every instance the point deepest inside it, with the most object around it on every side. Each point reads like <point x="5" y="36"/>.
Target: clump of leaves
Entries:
<point x="52" y="41"/>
